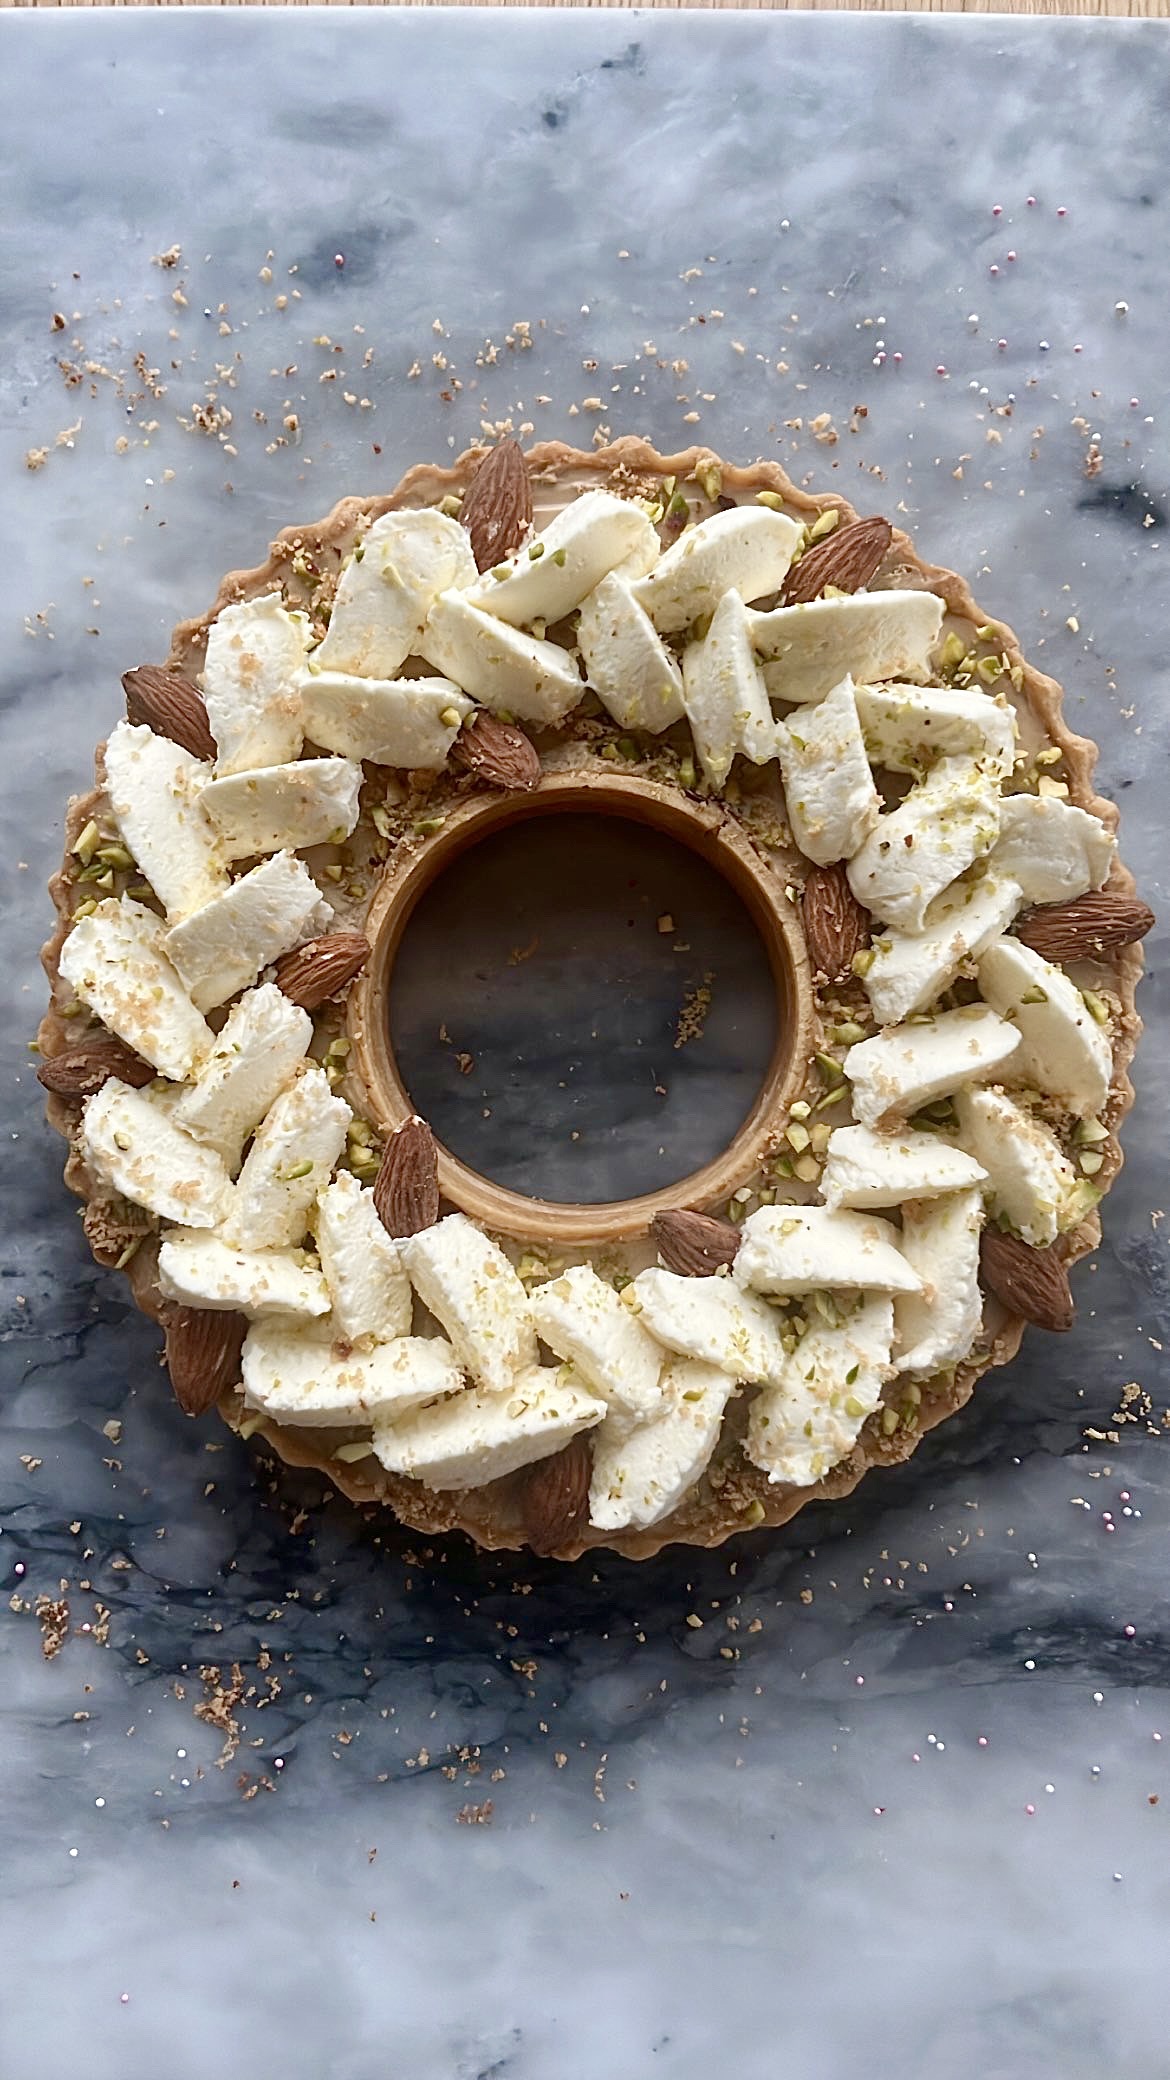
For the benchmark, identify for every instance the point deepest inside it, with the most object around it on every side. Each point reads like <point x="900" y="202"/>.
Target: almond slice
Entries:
<point x="497" y="505"/>
<point x="692" y="1244"/>
<point x="847" y="559"/>
<point x="77" y="1072"/>
<point x="313" y="973"/>
<point x="1086" y="928"/>
<point x="497" y="752"/>
<point x="203" y="1355"/>
<point x="836" y="926"/>
<point x="555" y="1497"/>
<point x="406" y="1189"/>
<point x="1030" y="1282"/>
<point x="169" y="705"/>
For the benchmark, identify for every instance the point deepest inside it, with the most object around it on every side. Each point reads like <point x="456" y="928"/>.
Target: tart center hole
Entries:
<point x="583" y="1008"/>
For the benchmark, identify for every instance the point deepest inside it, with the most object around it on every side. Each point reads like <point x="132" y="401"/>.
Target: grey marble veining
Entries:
<point x="889" y="1807"/>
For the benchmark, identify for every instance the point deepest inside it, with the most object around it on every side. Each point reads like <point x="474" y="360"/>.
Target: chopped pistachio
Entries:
<point x="754" y="1514"/>
<point x="536" y="551"/>
<point x="1091" y="1130"/>
<point x="953" y="649"/>
<point x="686" y="772"/>
<point x="807" y="1168"/>
<point x="771" y="499"/>
<point x="450" y="718"/>
<point x="87" y="908"/>
<point x="832" y="1097"/>
<point x="709" y="478"/>
<point x="141" y="891"/>
<point x="349" y="1454"/>
<point x="863" y="961"/>
<point x="611" y="752"/>
<point x="301" y="1169"/>
<point x="426" y="826"/>
<point x="889" y="1420"/>
<point x="824" y="524"/>
<point x="796" y="1135"/>
<point x="628" y="748"/>
<point x="829" y="1067"/>
<point x="800" y="1110"/>
<point x="558" y="557"/>
<point x="1096" y="1007"/>
<point x="380" y="818"/>
<point x="87" y="843"/>
<point x="451" y="505"/>
<point x="848" y="1033"/>
<point x="115" y="856"/>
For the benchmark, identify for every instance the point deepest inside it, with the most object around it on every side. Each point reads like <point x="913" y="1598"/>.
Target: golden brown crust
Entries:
<point x="734" y="1496"/>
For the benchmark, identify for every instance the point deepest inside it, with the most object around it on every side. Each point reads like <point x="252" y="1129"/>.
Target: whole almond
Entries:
<point x="847" y="559"/>
<point x="692" y="1243"/>
<point x="406" y="1189"/>
<point x="313" y="973"/>
<point x="203" y="1355"/>
<point x="1087" y="928"/>
<point x="1030" y="1282"/>
<point x="80" y="1071"/>
<point x="835" y="924"/>
<point x="555" y="1498"/>
<point x="169" y="705"/>
<point x="497" y="752"/>
<point x="497" y="505"/>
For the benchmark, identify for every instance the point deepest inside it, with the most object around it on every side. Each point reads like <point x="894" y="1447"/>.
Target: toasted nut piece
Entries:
<point x="555" y="1499"/>
<point x="169" y="705"/>
<point x="497" y="506"/>
<point x="1031" y="1282"/>
<point x="847" y="559"/>
<point x="693" y="1244"/>
<point x="406" y="1189"/>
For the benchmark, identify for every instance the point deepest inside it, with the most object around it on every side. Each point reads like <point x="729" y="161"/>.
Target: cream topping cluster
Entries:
<point x="433" y="1347"/>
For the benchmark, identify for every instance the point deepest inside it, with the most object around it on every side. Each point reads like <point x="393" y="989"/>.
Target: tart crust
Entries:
<point x="733" y="1495"/>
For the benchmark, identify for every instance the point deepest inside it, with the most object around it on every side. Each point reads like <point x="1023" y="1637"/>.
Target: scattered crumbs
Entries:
<point x="693" y="1015"/>
<point x="476" y="1816"/>
<point x="53" y="1614"/>
<point x="170" y="258"/>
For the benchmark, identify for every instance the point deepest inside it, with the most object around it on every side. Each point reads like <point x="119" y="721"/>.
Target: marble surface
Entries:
<point x="879" y="1794"/>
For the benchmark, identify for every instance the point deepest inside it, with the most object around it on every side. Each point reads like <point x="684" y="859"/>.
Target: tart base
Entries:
<point x="733" y="1495"/>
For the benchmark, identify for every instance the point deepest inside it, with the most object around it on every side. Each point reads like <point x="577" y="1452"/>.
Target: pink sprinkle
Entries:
<point x="879" y="1810"/>
<point x="1110" y="1527"/>
<point x="941" y="369"/>
<point x="1131" y="1631"/>
<point x="1134" y="401"/>
<point x="1029" y="1810"/>
<point x="993" y="270"/>
<point x="1001" y="344"/>
<point x="897" y="357"/>
<point x="916" y="1758"/>
<point x="1078" y="349"/>
<point x="982" y="1740"/>
<point x="1031" y="202"/>
<point x="947" y="1604"/>
<point x="1011" y="256"/>
<point x="997" y="211"/>
<point x="1126" y="1496"/>
<point x="859" y="1680"/>
<point x="123" y="1997"/>
<point x="1062" y="213"/>
<point x="339" y="259"/>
